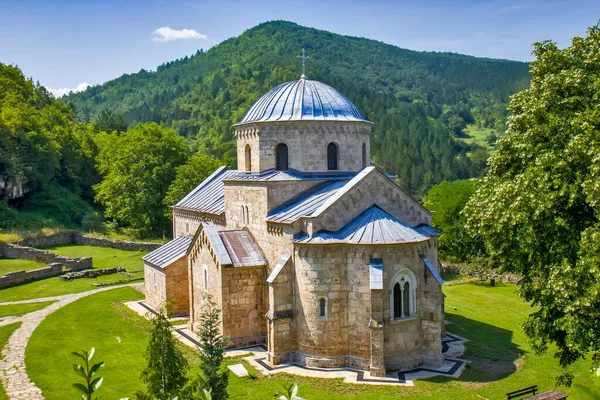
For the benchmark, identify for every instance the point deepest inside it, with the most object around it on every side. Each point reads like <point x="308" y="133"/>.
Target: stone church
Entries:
<point x="306" y="247"/>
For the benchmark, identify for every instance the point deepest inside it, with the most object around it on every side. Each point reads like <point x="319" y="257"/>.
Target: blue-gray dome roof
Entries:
<point x="302" y="100"/>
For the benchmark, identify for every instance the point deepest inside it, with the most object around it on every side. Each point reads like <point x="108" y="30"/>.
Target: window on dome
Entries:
<point x="332" y="157"/>
<point x="248" y="158"/>
<point x="281" y="157"/>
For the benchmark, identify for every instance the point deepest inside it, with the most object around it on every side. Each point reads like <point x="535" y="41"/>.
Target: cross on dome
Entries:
<point x="304" y="57"/>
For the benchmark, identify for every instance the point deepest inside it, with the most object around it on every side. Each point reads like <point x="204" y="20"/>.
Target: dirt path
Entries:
<point x="13" y="374"/>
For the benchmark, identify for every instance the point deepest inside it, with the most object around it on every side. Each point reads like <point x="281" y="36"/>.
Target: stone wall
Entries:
<point x="353" y="328"/>
<point x="87" y="240"/>
<point x="29" y="253"/>
<point x="167" y="286"/>
<point x="244" y="305"/>
<point x="19" y="277"/>
<point x="307" y="144"/>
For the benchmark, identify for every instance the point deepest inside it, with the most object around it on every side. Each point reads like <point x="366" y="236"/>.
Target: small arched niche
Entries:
<point x="248" y="158"/>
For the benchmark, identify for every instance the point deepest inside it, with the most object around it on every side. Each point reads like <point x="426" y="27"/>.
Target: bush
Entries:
<point x="93" y="222"/>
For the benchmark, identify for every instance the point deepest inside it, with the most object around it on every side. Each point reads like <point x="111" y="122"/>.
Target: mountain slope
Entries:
<point x="419" y="101"/>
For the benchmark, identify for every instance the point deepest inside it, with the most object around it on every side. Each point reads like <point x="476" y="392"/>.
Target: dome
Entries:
<point x="304" y="100"/>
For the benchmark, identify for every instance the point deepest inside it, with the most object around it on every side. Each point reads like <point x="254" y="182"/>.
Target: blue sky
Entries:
<point x="63" y="44"/>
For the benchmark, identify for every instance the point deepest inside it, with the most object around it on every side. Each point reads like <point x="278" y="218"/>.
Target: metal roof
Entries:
<point x="427" y="230"/>
<point x="305" y="205"/>
<point x="302" y="100"/>
<point x="209" y="196"/>
<point x="242" y="249"/>
<point x="432" y="269"/>
<point x="291" y="175"/>
<point x="280" y="264"/>
<point x="169" y="252"/>
<point x="216" y="243"/>
<point x="374" y="226"/>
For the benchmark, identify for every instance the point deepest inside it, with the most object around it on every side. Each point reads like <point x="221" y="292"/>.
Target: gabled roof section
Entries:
<point x="169" y="252"/>
<point x="374" y="226"/>
<point x="242" y="249"/>
<point x="306" y="204"/>
<point x="209" y="196"/>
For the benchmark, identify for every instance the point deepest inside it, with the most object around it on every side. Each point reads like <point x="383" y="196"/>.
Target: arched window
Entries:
<point x="332" y="157"/>
<point x="248" y="158"/>
<point x="322" y="307"/>
<point x="403" y="295"/>
<point x="364" y="155"/>
<point x="205" y="267"/>
<point x="281" y="157"/>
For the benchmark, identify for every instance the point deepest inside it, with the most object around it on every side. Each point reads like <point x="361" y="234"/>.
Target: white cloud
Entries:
<point x="166" y="34"/>
<point x="61" y="92"/>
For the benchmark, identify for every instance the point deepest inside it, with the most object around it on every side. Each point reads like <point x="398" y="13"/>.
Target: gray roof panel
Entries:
<point x="209" y="196"/>
<point x="432" y="269"/>
<point x="216" y="243"/>
<point x="169" y="252"/>
<point x="374" y="226"/>
<point x="280" y="264"/>
<point x="427" y="230"/>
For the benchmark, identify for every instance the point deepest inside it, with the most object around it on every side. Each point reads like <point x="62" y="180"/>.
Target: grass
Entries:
<point x="490" y="317"/>
<point x="5" y="332"/>
<point x="478" y="136"/>
<point x="11" y="265"/>
<point x="20" y="309"/>
<point x="103" y="257"/>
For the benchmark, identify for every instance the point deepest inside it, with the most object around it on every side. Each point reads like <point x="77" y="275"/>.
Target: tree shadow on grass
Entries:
<point x="490" y="349"/>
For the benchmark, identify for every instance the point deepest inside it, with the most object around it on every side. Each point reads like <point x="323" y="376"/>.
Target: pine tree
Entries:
<point x="166" y="373"/>
<point x="212" y="348"/>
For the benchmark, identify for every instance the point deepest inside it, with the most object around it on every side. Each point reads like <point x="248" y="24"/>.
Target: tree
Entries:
<point x="166" y="373"/>
<point x="447" y="201"/>
<point x="212" y="347"/>
<point x="188" y="176"/>
<point x="538" y="209"/>
<point x="108" y="121"/>
<point x="87" y="372"/>
<point x="137" y="168"/>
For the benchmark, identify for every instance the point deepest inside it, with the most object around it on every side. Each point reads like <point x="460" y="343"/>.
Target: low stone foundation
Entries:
<point x="91" y="273"/>
<point x="19" y="277"/>
<point x="294" y="357"/>
<point x="247" y="341"/>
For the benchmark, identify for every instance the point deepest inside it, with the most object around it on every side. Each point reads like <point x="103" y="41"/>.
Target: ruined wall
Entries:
<point x="29" y="253"/>
<point x="87" y="240"/>
<point x="19" y="277"/>
<point x="244" y="305"/>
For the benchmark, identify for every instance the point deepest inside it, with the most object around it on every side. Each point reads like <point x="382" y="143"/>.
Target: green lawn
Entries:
<point x="11" y="265"/>
<point x="489" y="316"/>
<point x="5" y="332"/>
<point x="20" y="309"/>
<point x="103" y="257"/>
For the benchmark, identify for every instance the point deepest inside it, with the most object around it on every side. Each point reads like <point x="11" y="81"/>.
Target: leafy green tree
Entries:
<point x="189" y="175"/>
<point x="538" y="209"/>
<point x="87" y="372"/>
<point x="447" y="200"/>
<point x="137" y="168"/>
<point x="213" y="377"/>
<point x="166" y="373"/>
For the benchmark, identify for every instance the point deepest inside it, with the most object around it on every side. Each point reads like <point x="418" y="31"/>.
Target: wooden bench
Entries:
<point x="522" y="392"/>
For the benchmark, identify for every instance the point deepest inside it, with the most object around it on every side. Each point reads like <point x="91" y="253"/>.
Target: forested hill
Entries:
<point x="419" y="101"/>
